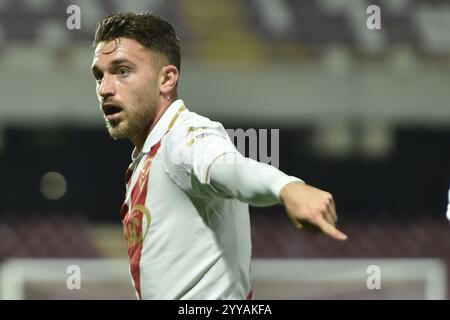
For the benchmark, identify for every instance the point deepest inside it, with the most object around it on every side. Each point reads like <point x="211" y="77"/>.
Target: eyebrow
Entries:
<point x="96" y="70"/>
<point x="121" y="61"/>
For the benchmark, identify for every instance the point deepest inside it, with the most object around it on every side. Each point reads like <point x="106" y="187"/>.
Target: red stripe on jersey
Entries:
<point x="128" y="175"/>
<point x="133" y="219"/>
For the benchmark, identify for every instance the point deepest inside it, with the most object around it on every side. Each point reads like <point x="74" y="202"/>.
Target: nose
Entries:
<point x="106" y="88"/>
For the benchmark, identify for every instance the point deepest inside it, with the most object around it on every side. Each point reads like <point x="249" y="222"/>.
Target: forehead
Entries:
<point x="121" y="48"/>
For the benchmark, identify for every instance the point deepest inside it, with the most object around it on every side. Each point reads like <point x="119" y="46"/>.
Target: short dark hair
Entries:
<point x="150" y="30"/>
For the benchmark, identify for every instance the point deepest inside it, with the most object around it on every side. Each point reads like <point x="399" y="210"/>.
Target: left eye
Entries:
<point x="123" y="71"/>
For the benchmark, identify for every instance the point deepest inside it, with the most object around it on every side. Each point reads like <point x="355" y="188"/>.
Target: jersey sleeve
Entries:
<point x="189" y="152"/>
<point x="250" y="181"/>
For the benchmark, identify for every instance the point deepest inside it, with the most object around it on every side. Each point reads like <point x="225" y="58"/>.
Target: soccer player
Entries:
<point x="185" y="214"/>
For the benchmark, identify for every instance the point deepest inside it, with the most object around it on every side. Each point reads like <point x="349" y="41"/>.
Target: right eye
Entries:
<point x="123" y="71"/>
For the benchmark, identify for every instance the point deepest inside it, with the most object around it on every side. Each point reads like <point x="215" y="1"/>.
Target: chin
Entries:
<point x="117" y="131"/>
<point x="117" y="135"/>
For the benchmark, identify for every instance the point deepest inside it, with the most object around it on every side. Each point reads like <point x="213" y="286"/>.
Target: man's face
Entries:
<point x="127" y="86"/>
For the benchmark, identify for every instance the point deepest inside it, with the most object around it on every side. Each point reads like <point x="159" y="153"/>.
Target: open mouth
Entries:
<point x="111" y="112"/>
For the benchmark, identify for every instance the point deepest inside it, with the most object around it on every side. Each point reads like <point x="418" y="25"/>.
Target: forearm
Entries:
<point x="253" y="182"/>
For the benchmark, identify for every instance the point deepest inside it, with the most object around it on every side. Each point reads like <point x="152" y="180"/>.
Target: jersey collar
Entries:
<point x="162" y="126"/>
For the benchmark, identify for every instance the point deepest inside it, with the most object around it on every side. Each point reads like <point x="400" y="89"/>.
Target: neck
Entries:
<point x="139" y="140"/>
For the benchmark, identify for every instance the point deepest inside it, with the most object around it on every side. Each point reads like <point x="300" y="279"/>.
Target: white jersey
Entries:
<point x="185" y="240"/>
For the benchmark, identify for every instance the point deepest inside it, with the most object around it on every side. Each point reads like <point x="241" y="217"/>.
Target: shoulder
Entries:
<point x="192" y="125"/>
<point x="191" y="119"/>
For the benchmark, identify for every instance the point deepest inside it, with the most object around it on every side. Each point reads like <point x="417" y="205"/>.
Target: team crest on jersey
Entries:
<point x="133" y="225"/>
<point x="134" y="219"/>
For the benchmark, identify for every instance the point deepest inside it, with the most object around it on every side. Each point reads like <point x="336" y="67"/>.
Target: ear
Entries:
<point x="169" y="78"/>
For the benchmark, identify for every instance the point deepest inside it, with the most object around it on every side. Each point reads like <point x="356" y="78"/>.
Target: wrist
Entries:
<point x="280" y="187"/>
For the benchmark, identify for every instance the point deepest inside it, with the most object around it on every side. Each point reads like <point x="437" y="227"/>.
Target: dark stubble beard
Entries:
<point x="135" y="124"/>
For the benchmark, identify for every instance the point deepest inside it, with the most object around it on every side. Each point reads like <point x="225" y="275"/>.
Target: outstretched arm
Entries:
<point x="260" y="184"/>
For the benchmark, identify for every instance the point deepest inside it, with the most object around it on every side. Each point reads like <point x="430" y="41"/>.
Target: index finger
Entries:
<point x="330" y="230"/>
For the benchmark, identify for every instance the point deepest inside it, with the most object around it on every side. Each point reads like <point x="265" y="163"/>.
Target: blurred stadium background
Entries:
<point x="364" y="114"/>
